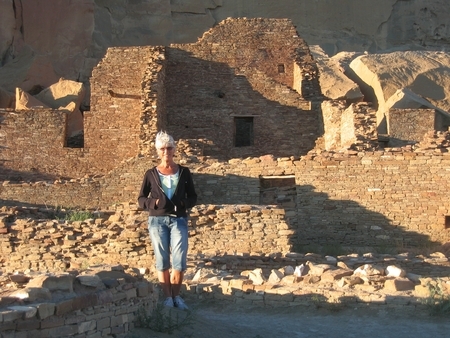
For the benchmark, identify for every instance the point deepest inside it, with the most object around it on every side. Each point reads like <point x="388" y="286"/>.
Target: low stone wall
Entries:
<point x="225" y="243"/>
<point x="31" y="239"/>
<point x="106" y="313"/>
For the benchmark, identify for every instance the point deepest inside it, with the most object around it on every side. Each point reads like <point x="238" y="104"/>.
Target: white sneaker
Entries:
<point x="168" y="302"/>
<point x="179" y="303"/>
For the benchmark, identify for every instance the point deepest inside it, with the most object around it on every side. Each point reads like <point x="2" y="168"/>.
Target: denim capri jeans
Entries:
<point x="169" y="235"/>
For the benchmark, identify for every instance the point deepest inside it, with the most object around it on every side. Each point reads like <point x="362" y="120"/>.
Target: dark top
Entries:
<point x="183" y="198"/>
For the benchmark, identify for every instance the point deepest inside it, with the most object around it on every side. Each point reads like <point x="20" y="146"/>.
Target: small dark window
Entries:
<point x="243" y="131"/>
<point x="280" y="68"/>
<point x="447" y="222"/>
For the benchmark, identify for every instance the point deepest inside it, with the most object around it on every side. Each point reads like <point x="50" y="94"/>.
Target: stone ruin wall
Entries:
<point x="106" y="313"/>
<point x="357" y="198"/>
<point x="234" y="71"/>
<point x="361" y="198"/>
<point x="33" y="144"/>
<point x="124" y="104"/>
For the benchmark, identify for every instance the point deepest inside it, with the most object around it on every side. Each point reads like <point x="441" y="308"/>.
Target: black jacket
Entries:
<point x="184" y="197"/>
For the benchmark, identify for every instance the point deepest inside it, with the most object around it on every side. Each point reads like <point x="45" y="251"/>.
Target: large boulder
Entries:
<point x="25" y="101"/>
<point x="61" y="93"/>
<point x="66" y="95"/>
<point x="424" y="73"/>
<point x="333" y="79"/>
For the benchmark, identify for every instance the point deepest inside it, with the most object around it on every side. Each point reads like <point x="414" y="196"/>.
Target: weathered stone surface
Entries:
<point x="66" y="95"/>
<point x="19" y="278"/>
<point x="426" y="74"/>
<point x="318" y="269"/>
<point x="27" y="71"/>
<point x="335" y="274"/>
<point x="27" y="311"/>
<point x="27" y="101"/>
<point x="90" y="280"/>
<point x="394" y="271"/>
<point x="32" y="294"/>
<point x="45" y="310"/>
<point x="89" y="27"/>
<point x="398" y="284"/>
<point x="7" y="99"/>
<point x="332" y="113"/>
<point x="275" y="276"/>
<point x="349" y="281"/>
<point x="369" y="270"/>
<point x="53" y="283"/>
<point x="334" y="82"/>
<point x="256" y="276"/>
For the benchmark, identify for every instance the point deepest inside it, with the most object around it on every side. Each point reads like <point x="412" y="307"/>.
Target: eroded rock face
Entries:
<point x="334" y="81"/>
<point x="74" y="43"/>
<point x="424" y="73"/>
<point x="26" y="101"/>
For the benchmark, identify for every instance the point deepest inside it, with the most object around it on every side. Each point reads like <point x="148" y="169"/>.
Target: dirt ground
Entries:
<point x="224" y="319"/>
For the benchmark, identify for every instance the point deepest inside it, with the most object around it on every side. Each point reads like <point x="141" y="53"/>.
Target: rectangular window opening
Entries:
<point x="243" y="131"/>
<point x="281" y="68"/>
<point x="447" y="222"/>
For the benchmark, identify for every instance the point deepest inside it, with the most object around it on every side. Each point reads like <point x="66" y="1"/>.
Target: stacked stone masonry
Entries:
<point x="110" y="311"/>
<point x="282" y="193"/>
<point x="358" y="199"/>
<point x="94" y="296"/>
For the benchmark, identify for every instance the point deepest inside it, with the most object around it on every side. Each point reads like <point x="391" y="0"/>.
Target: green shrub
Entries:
<point x="77" y="215"/>
<point x="438" y="302"/>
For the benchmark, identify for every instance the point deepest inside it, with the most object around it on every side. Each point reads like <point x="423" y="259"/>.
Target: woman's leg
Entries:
<point x="160" y="237"/>
<point x="179" y="246"/>
<point x="164" y="281"/>
<point x="176" y="279"/>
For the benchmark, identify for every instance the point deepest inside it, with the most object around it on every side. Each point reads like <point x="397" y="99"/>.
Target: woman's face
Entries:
<point x="166" y="151"/>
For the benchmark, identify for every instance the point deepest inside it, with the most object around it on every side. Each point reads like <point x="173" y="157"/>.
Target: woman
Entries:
<point x="167" y="192"/>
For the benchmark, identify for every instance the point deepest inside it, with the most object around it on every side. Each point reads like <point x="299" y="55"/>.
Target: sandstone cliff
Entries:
<point x="41" y="41"/>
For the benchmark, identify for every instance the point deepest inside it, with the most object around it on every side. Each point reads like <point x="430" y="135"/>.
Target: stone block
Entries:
<point x="116" y="330"/>
<point x="398" y="284"/>
<point x="84" y="301"/>
<point x="86" y="326"/>
<point x="52" y="322"/>
<point x="131" y="293"/>
<point x="45" y="310"/>
<point x="335" y="274"/>
<point x="143" y="290"/>
<point x="421" y="291"/>
<point x="28" y="324"/>
<point x="63" y="331"/>
<point x="75" y="319"/>
<point x="11" y="315"/>
<point x="27" y="311"/>
<point x="103" y="323"/>
<point x="6" y="326"/>
<point x="119" y="296"/>
<point x="63" y="282"/>
<point x="64" y="307"/>
<point x="105" y="297"/>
